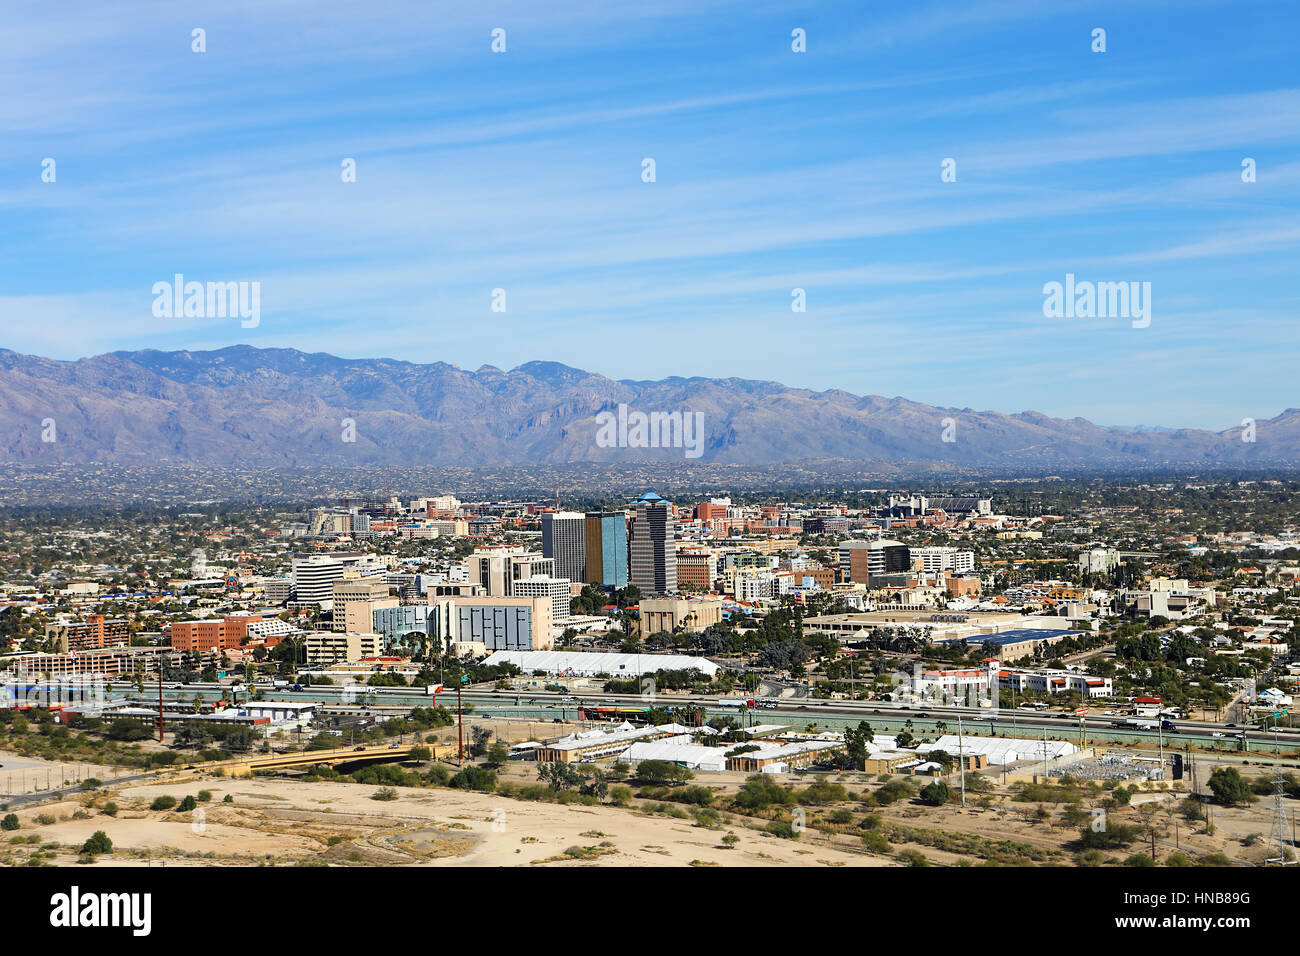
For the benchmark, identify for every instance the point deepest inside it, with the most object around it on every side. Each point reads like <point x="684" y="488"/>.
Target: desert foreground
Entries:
<point x="287" y="822"/>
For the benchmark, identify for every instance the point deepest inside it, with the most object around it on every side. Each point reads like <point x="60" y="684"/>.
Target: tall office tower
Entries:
<point x="652" y="550"/>
<point x="564" y="539"/>
<point x="606" y="546"/>
<point x="314" y="577"/>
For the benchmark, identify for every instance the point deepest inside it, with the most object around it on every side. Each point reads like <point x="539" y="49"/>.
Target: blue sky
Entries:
<point x="775" y="170"/>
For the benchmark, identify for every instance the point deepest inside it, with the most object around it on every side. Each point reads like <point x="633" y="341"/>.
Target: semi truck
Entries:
<point x="1138" y="723"/>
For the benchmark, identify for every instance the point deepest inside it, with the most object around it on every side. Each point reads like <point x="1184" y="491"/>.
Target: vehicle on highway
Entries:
<point x="923" y="714"/>
<point x="735" y="702"/>
<point x="1218" y="733"/>
<point x="1168" y="727"/>
<point x="1140" y="723"/>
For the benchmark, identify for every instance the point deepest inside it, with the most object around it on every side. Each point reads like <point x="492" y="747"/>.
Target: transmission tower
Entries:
<point x="1284" y="855"/>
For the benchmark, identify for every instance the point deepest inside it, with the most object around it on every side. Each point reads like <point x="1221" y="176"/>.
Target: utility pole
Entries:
<point x="961" y="760"/>
<point x="160" y="700"/>
<point x="460" y="726"/>
<point x="1013" y="708"/>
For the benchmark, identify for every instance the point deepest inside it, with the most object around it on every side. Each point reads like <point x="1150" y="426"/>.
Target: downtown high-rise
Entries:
<point x="606" y="547"/>
<point x="564" y="540"/>
<point x="652" y="550"/>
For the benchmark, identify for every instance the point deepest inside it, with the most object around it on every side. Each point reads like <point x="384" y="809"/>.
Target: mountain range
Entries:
<point x="282" y="407"/>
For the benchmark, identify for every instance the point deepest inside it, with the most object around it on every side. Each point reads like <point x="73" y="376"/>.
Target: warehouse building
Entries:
<point x="1001" y="750"/>
<point x="580" y="664"/>
<point x="681" y="750"/>
<point x="598" y="744"/>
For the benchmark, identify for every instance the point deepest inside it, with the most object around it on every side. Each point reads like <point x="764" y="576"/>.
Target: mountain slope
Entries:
<point x="243" y="405"/>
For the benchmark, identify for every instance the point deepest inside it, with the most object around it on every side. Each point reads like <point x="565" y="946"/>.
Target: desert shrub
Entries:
<point x="98" y="843"/>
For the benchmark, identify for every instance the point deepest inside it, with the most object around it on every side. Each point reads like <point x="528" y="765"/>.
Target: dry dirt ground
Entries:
<point x="19" y="774"/>
<point x="289" y="821"/>
<point x="286" y="822"/>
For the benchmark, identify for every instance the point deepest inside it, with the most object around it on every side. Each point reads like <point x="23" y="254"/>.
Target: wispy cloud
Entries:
<point x="774" y="170"/>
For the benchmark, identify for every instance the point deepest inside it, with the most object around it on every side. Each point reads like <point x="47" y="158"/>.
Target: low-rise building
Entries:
<point x="324" y="648"/>
<point x="670" y="613"/>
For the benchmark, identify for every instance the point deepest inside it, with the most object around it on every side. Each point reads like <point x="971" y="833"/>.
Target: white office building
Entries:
<point x="557" y="589"/>
<point x="314" y="577"/>
<point x="945" y="559"/>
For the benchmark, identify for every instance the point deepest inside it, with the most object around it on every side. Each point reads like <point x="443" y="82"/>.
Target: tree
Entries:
<point x="474" y="778"/>
<point x="559" y="776"/>
<point x="10" y="822"/>
<point x="855" y="744"/>
<point x="1229" y="787"/>
<point x="936" y="794"/>
<point x="597" y="786"/>
<point x="760" y="791"/>
<point x="1111" y="837"/>
<point x="98" y="843"/>
<point x="479" y="741"/>
<point x="661" y="771"/>
<point x="498" y="754"/>
<point x="126" y="729"/>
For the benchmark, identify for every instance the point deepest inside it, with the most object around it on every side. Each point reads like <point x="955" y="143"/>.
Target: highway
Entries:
<point x="825" y="714"/>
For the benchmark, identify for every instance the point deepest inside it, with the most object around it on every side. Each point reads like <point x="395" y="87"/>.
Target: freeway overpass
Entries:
<point x="247" y="766"/>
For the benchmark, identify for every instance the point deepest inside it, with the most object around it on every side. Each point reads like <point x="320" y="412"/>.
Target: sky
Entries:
<point x="774" y="170"/>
